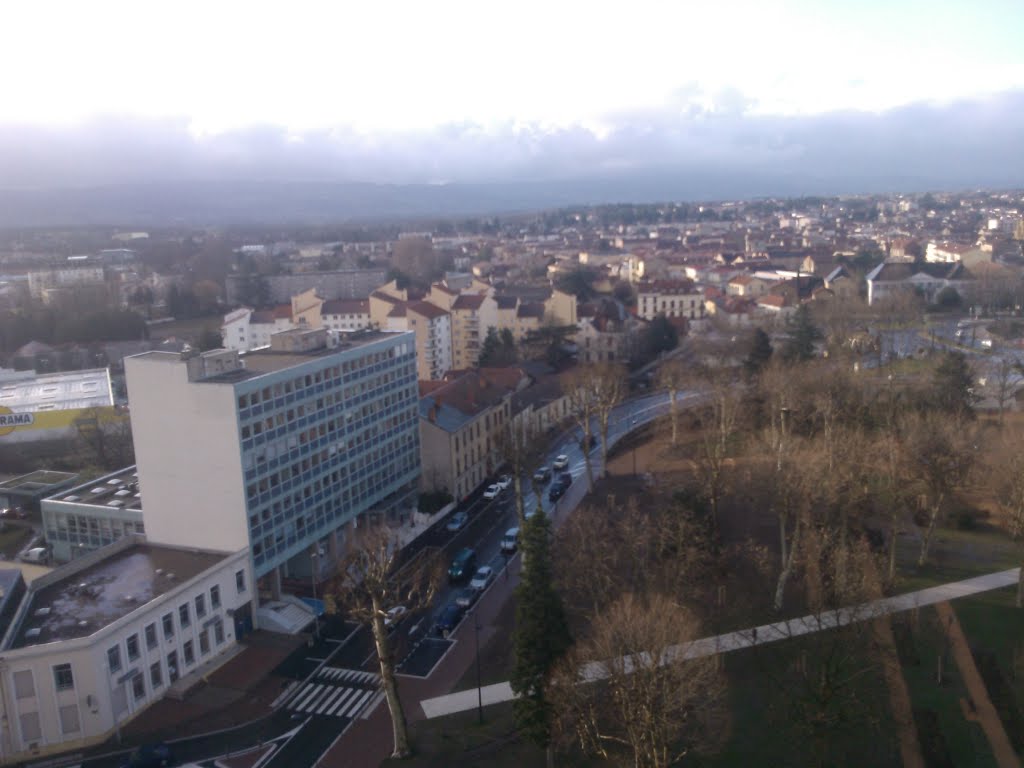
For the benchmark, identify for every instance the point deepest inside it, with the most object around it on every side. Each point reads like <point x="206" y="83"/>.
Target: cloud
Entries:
<point x="966" y="143"/>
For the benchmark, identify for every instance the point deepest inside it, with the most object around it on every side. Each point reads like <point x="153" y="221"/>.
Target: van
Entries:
<point x="510" y="542"/>
<point x="463" y="565"/>
<point x="34" y="555"/>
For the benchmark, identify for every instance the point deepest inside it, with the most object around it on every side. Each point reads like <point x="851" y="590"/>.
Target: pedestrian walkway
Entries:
<point x="984" y="711"/>
<point x="335" y="692"/>
<point x="462" y="701"/>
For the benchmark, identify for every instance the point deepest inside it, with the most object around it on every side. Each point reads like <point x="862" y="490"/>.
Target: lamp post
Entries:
<point x="315" y="553"/>
<point x="479" y="689"/>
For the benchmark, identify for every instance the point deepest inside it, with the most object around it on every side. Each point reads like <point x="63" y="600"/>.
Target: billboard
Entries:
<point x="54" y="425"/>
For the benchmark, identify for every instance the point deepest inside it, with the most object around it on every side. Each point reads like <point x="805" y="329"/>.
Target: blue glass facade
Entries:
<point x="324" y="441"/>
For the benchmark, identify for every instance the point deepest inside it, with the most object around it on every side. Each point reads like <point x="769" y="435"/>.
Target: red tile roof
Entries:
<point x="426" y="309"/>
<point x="469" y="301"/>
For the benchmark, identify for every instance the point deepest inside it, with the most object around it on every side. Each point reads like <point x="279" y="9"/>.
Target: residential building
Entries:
<point x="607" y="333"/>
<point x="337" y="284"/>
<point x="279" y="451"/>
<point x="672" y="298"/>
<point x="462" y="424"/>
<point x="41" y="282"/>
<point x="345" y="314"/>
<point x="432" y="326"/>
<point x="890" y="278"/>
<point x="748" y="286"/>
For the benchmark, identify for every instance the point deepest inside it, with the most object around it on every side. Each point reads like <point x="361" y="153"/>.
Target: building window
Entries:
<point x="151" y="641"/>
<point x="172" y="666"/>
<point x="156" y="676"/>
<point x="114" y="659"/>
<point x="30" y="730"/>
<point x="138" y="687"/>
<point x="168" y="622"/>
<point x="132" y="646"/>
<point x="184" y="617"/>
<point x="204" y="642"/>
<point x="200" y="606"/>
<point x="63" y="679"/>
<point x="189" y="653"/>
<point x="24" y="687"/>
<point x="215" y="596"/>
<point x="69" y="721"/>
<point x="240" y="581"/>
<point x="218" y="632"/>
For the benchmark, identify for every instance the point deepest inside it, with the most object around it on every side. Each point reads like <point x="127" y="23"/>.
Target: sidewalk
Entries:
<point x="462" y="701"/>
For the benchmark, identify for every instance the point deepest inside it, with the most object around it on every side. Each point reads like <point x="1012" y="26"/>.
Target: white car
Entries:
<point x="482" y="578"/>
<point x="560" y="462"/>
<point x="395" y="615"/>
<point x="504" y="482"/>
<point x="492" y="492"/>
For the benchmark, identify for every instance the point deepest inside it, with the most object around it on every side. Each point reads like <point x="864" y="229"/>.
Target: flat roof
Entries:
<point x="93" y="598"/>
<point x="40" y="481"/>
<point x="118" y="490"/>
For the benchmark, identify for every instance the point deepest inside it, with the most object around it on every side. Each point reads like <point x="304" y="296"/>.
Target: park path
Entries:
<point x="461" y="701"/>
<point x="899" y="696"/>
<point x="984" y="711"/>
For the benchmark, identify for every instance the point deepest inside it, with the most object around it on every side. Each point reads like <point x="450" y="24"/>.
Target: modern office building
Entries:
<point x="278" y="451"/>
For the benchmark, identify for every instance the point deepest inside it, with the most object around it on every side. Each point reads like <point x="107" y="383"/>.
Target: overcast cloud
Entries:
<point x="965" y="143"/>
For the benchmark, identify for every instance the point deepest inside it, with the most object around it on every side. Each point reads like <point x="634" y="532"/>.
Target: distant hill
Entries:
<point x="210" y="203"/>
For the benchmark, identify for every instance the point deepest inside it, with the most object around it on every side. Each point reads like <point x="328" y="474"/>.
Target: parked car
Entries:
<point x="542" y="475"/>
<point x="463" y="565"/>
<point x="565" y="479"/>
<point x="35" y="555"/>
<point x="457" y="521"/>
<point x="557" y="491"/>
<point x="449" y="619"/>
<point x="394" y="616"/>
<point x="467" y="597"/>
<point x="16" y="512"/>
<point x="492" y="492"/>
<point x="510" y="541"/>
<point x="561" y="462"/>
<point x="482" y="578"/>
<point x="504" y="482"/>
<point x="148" y="756"/>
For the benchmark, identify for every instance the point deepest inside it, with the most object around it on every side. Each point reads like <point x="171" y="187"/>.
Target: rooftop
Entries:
<point x="34" y="482"/>
<point x="26" y="393"/>
<point x="118" y="490"/>
<point x="87" y="600"/>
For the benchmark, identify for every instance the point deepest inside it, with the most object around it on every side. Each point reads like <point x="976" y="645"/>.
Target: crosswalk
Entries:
<point x="336" y="692"/>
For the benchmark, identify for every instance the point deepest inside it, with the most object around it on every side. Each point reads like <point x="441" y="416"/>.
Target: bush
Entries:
<point x="429" y="503"/>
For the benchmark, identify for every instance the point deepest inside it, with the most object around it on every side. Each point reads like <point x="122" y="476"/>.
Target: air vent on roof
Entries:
<point x="115" y="503"/>
<point x="98" y="489"/>
<point x="159" y="571"/>
<point x="42" y="611"/>
<point x="170" y="575"/>
<point x="33" y="634"/>
<point x="128" y="598"/>
<point x="114" y="481"/>
<point x="83" y="624"/>
<point x="72" y="497"/>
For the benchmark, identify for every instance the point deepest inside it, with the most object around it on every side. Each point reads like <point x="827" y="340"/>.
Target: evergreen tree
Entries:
<point x="498" y="349"/>
<point x="660" y="336"/>
<point x="802" y="333"/>
<point x="953" y="385"/>
<point x="759" y="354"/>
<point x="541" y="635"/>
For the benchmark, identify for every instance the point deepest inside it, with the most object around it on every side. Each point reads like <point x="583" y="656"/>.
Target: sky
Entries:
<point x="452" y="90"/>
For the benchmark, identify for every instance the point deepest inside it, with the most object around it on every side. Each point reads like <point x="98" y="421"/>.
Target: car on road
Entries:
<point x="148" y="756"/>
<point x="463" y="565"/>
<point x="457" y="522"/>
<point x="561" y="462"/>
<point x="542" y="475"/>
<point x="394" y="616"/>
<point x="504" y="482"/>
<point x="449" y="619"/>
<point x="35" y="555"/>
<point x="467" y="597"/>
<point x="565" y="478"/>
<point x="510" y="541"/>
<point x="482" y="578"/>
<point x="557" y="491"/>
<point x="14" y="512"/>
<point x="492" y="492"/>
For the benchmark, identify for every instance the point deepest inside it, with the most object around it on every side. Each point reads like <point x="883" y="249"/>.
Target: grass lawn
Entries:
<point x="947" y="737"/>
<point x="460" y="740"/>
<point x="189" y="328"/>
<point x="13" y="539"/>
<point x="955" y="555"/>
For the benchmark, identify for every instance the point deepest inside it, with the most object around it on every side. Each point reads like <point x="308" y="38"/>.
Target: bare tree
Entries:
<point x="673" y="376"/>
<point x="108" y="435"/>
<point x="522" y="449"/>
<point x="1003" y="378"/>
<point x="1006" y="478"/>
<point x="722" y="393"/>
<point x="630" y="688"/>
<point x="369" y="583"/>
<point x="609" y="388"/>
<point x="939" y="455"/>
<point x="587" y="387"/>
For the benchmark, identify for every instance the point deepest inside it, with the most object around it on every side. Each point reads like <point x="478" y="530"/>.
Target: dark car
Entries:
<point x="467" y="597"/>
<point x="449" y="619"/>
<point x="542" y="475"/>
<point x="557" y="490"/>
<point x="463" y="565"/>
<point x="149" y="756"/>
<point x="565" y="479"/>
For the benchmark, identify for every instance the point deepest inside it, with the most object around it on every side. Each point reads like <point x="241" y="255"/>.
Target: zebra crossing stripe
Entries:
<point x="317" y="699"/>
<point x="337" y="706"/>
<point x="320" y="705"/>
<point x="306" y="694"/>
<point x="358" y="702"/>
<point x="339" y="694"/>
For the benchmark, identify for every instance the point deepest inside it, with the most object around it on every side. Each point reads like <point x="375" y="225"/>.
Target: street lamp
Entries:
<point x="479" y="689"/>
<point x="315" y="554"/>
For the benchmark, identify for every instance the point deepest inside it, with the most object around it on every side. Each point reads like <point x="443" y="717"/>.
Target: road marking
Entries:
<point x="351" y="711"/>
<point x="336" y="707"/>
<point x="373" y="705"/>
<point x="303" y="700"/>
